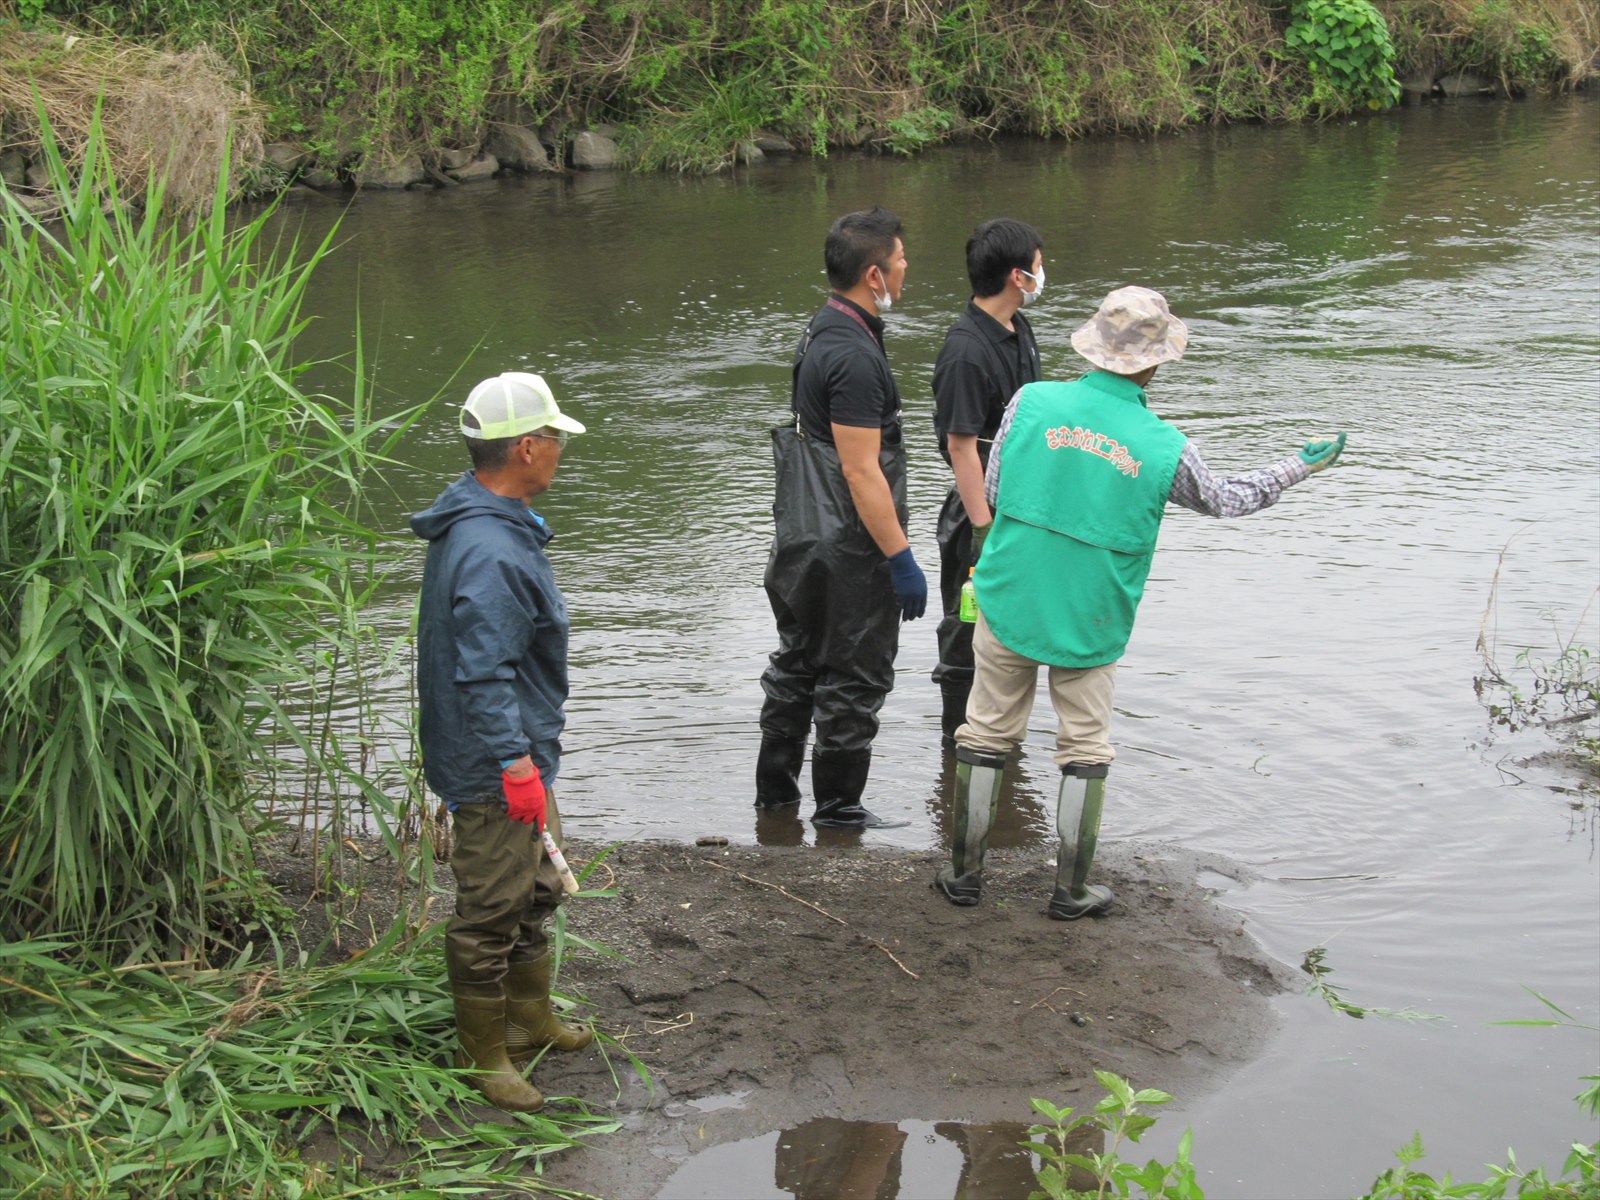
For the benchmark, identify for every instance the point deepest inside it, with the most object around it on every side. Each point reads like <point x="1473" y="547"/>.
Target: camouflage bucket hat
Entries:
<point x="1133" y="330"/>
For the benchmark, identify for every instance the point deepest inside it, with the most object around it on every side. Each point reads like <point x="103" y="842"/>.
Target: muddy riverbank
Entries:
<point x="766" y="987"/>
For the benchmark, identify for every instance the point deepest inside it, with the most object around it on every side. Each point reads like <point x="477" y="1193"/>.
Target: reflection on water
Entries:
<point x="829" y="1159"/>
<point x="1024" y="815"/>
<point x="1298" y="694"/>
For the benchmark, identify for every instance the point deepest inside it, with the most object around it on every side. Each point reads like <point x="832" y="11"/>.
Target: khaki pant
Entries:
<point x="506" y="890"/>
<point x="1003" y="687"/>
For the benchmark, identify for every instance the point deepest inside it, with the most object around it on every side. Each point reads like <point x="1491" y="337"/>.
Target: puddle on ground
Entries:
<point x="1216" y="881"/>
<point x="708" y="1104"/>
<point x="829" y="1159"/>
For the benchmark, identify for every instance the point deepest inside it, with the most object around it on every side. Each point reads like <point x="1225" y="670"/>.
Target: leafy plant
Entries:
<point x="1346" y="46"/>
<point x="1404" y="1183"/>
<point x="1068" y="1174"/>
<point x="1119" y="1117"/>
<point x="919" y="129"/>
<point x="1314" y="965"/>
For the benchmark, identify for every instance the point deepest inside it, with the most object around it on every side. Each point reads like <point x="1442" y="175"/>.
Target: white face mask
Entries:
<point x="1029" y="297"/>
<point x="884" y="302"/>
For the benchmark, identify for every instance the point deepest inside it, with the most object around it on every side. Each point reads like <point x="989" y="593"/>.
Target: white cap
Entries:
<point x="511" y="404"/>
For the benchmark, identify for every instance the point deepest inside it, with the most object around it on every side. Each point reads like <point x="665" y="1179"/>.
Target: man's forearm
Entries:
<point x="968" y="470"/>
<point x="869" y="490"/>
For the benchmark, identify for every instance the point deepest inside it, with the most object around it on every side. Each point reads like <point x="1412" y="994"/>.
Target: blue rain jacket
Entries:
<point x="491" y="642"/>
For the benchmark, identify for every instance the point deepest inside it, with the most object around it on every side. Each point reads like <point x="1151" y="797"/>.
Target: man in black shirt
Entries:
<point x="841" y="576"/>
<point x="988" y="354"/>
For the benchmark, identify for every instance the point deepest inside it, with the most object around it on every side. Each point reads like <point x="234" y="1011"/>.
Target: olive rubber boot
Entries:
<point x="1083" y="794"/>
<point x="837" y="781"/>
<point x="778" y="771"/>
<point x="481" y="1027"/>
<point x="531" y="1024"/>
<point x="978" y="774"/>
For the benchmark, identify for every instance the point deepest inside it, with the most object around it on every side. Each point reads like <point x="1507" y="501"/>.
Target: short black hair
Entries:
<point x="490" y="454"/>
<point x="994" y="248"/>
<point x="857" y="241"/>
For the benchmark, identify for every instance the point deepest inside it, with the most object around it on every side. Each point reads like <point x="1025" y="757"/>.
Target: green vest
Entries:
<point x="1085" y="471"/>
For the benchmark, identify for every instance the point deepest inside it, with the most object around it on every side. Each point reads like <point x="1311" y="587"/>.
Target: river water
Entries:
<point x="1299" y="694"/>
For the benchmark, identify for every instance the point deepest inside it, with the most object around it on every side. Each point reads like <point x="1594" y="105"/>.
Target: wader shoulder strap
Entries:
<point x="840" y="306"/>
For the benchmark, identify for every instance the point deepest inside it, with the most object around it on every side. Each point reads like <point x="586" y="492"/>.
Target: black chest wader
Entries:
<point x="838" y="630"/>
<point x="954" y="670"/>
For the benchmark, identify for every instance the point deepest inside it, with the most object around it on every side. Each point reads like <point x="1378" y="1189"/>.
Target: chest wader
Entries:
<point x="978" y="775"/>
<point x="1078" y="807"/>
<point x="838" y="630"/>
<point x="954" y="670"/>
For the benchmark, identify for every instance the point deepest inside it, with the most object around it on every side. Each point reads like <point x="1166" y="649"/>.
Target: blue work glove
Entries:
<point x="1319" y="456"/>
<point x="910" y="585"/>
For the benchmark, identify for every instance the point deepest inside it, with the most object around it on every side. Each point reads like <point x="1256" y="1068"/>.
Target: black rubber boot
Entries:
<point x="954" y="715"/>
<point x="778" y="771"/>
<point x="978" y="774"/>
<point x="1078" y="808"/>
<point x="837" y="781"/>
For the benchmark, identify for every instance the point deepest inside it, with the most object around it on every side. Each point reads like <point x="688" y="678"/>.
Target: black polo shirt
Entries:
<point x="980" y="367"/>
<point x="842" y="375"/>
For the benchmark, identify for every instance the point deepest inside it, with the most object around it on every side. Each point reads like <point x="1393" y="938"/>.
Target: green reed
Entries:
<point x="180" y="546"/>
<point x="263" y="1079"/>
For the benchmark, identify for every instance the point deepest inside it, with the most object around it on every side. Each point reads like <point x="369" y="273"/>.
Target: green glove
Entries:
<point x="1320" y="455"/>
<point x="980" y="534"/>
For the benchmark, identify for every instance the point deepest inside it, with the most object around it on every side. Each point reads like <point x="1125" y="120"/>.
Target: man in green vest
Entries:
<point x="1079" y="478"/>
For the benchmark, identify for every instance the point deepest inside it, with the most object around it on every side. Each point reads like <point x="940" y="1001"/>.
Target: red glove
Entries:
<point x="525" y="798"/>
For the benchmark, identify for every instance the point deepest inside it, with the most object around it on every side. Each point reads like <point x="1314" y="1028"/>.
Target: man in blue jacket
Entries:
<point x="492" y="681"/>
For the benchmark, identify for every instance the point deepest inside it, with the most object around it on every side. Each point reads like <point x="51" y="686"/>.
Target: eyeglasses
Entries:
<point x="559" y="437"/>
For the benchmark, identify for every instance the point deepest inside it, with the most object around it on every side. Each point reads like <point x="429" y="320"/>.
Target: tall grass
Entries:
<point x="259" y="1080"/>
<point x="179" y="542"/>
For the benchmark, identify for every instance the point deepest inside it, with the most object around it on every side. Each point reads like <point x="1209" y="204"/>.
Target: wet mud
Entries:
<point x="768" y="989"/>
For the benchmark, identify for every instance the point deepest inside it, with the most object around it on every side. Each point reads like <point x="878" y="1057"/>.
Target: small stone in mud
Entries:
<point x="1079" y="1019"/>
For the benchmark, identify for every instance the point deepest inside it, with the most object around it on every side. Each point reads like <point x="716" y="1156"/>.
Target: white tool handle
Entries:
<point x="569" y="882"/>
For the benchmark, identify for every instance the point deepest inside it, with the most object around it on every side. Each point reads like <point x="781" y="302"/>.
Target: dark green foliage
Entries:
<point x="1346" y="47"/>
<point x="686" y="80"/>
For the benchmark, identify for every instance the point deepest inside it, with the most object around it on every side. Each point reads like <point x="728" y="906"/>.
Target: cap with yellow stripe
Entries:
<point x="511" y="404"/>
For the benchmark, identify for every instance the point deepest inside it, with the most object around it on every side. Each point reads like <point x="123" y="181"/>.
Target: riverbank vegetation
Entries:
<point x="183" y="564"/>
<point x="260" y="1078"/>
<point x="695" y="84"/>
<point x="180" y="528"/>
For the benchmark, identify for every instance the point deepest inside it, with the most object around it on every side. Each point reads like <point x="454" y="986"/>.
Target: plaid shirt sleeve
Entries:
<point x="1195" y="486"/>
<point x="991" y="474"/>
